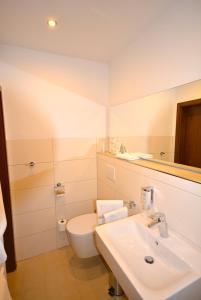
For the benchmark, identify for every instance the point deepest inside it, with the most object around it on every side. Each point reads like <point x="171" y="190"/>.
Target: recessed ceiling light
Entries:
<point x="52" y="23"/>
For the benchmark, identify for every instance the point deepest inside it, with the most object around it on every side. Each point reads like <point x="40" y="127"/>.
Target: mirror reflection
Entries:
<point x="166" y="124"/>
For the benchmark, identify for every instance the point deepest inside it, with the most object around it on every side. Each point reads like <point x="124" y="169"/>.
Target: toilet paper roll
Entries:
<point x="61" y="224"/>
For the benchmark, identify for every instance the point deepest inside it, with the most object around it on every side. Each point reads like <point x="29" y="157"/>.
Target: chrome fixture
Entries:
<point x="162" y="154"/>
<point x="159" y="219"/>
<point x="31" y="164"/>
<point x="122" y="149"/>
<point x="130" y="204"/>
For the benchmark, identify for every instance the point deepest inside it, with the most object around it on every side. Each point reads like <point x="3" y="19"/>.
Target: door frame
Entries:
<point x="4" y="178"/>
<point x="180" y="119"/>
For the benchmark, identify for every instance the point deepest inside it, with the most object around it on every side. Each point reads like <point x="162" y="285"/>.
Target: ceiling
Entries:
<point x="90" y="29"/>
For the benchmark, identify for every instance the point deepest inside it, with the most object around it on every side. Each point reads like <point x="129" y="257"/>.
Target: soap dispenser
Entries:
<point x="147" y="199"/>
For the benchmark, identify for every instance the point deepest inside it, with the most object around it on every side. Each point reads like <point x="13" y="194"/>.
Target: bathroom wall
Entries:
<point x="178" y="198"/>
<point x="83" y="77"/>
<point x="148" y="124"/>
<point x="166" y="54"/>
<point x="58" y="129"/>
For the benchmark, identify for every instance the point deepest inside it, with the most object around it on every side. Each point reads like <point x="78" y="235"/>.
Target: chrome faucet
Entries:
<point x="122" y="149"/>
<point x="159" y="219"/>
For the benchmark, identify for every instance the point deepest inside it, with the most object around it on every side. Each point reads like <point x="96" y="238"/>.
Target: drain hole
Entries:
<point x="149" y="259"/>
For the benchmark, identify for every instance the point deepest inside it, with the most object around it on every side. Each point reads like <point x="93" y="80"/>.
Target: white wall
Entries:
<point x="147" y="116"/>
<point x="165" y="55"/>
<point x="85" y="78"/>
<point x="35" y="108"/>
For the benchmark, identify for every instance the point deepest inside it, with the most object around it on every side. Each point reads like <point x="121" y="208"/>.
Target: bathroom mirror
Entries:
<point x="160" y="124"/>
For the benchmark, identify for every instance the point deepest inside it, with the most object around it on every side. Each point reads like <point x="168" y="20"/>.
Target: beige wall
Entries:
<point x="179" y="199"/>
<point x="36" y="209"/>
<point x="60" y="130"/>
<point x="148" y="124"/>
<point x="165" y="55"/>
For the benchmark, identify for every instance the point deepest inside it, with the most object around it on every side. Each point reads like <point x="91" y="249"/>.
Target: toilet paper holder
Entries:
<point x="59" y="189"/>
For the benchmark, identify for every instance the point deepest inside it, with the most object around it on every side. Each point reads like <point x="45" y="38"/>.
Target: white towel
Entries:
<point x="104" y="206"/>
<point x="116" y="214"/>
<point x="134" y="155"/>
<point x="142" y="155"/>
<point x="3" y="255"/>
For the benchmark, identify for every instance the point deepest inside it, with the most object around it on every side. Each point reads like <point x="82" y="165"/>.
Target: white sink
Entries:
<point x="175" y="272"/>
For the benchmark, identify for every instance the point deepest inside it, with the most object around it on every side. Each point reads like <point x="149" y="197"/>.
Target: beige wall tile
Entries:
<point x="78" y="191"/>
<point x="72" y="210"/>
<point x="69" y="171"/>
<point x="73" y="148"/>
<point x="83" y="190"/>
<point x="28" y="200"/>
<point x="61" y="239"/>
<point x="102" y="144"/>
<point x="35" y="244"/>
<point x="105" y="190"/>
<point x="22" y="177"/>
<point x="24" y="151"/>
<point x="34" y="222"/>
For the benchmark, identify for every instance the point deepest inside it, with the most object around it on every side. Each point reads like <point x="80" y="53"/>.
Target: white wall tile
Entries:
<point x="76" y="170"/>
<point x="34" y="222"/>
<point x="35" y="244"/>
<point x="28" y="200"/>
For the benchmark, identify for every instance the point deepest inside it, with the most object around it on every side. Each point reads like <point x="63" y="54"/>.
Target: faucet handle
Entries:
<point x="160" y="217"/>
<point x="130" y="204"/>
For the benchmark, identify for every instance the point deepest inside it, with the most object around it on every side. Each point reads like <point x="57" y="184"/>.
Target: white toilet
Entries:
<point x="80" y="232"/>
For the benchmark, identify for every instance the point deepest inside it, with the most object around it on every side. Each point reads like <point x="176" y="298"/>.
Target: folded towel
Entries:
<point x="127" y="156"/>
<point x="134" y="155"/>
<point x="115" y="215"/>
<point x="142" y="155"/>
<point x="104" y="206"/>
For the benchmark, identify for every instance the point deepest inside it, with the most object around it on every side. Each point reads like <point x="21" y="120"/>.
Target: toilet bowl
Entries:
<point x="80" y="232"/>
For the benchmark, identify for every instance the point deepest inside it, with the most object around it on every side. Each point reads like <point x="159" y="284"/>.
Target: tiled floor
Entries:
<point x="60" y="275"/>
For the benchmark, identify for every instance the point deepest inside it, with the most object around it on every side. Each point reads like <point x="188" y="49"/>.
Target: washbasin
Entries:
<point x="147" y="266"/>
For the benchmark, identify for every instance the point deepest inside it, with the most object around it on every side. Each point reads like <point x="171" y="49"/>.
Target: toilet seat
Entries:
<point x="83" y="224"/>
<point x="81" y="231"/>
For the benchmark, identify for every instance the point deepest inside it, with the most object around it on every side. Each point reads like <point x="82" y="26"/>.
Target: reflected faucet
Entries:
<point x="122" y="149"/>
<point x="159" y="219"/>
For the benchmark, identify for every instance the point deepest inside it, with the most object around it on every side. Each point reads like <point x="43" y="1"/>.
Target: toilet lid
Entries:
<point x="82" y="224"/>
